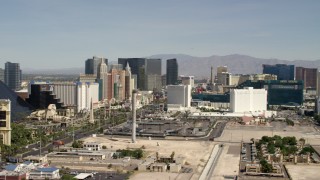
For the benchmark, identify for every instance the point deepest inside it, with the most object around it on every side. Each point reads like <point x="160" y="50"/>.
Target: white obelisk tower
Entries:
<point x="134" y="114"/>
<point x="91" y="120"/>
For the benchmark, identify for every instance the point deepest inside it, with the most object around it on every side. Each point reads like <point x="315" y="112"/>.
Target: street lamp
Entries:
<point x="40" y="145"/>
<point x="72" y="130"/>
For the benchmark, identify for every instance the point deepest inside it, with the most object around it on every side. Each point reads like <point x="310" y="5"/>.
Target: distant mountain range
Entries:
<point x="237" y="64"/>
<point x="200" y="66"/>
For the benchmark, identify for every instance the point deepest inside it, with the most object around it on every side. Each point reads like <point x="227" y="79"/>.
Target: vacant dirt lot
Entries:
<point x="303" y="172"/>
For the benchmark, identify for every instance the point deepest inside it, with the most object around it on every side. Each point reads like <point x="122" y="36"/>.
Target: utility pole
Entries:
<point x="134" y="115"/>
<point x="99" y="120"/>
<point x="72" y="130"/>
<point x="40" y="147"/>
<point x="105" y="114"/>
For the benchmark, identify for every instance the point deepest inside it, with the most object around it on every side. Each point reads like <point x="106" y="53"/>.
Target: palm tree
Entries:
<point x="157" y="156"/>
<point x="172" y="155"/>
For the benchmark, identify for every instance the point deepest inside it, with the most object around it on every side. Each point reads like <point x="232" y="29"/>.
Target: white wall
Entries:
<point x="179" y="94"/>
<point x="176" y="94"/>
<point x="86" y="92"/>
<point x="187" y="80"/>
<point x="67" y="93"/>
<point x="187" y="97"/>
<point x="249" y="99"/>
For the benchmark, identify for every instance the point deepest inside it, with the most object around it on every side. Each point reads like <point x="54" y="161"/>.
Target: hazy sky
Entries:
<point x="64" y="33"/>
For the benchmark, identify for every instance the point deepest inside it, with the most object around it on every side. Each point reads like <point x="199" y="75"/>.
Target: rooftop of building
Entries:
<point x="47" y="169"/>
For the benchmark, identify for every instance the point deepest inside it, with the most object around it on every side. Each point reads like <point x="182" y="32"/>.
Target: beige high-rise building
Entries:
<point x="318" y="83"/>
<point x="224" y="78"/>
<point x="264" y="77"/>
<point x="87" y="78"/>
<point x="102" y="78"/>
<point x="211" y="76"/>
<point x="222" y="69"/>
<point x="117" y="85"/>
<point x="5" y="121"/>
<point x="128" y="83"/>
<point x="237" y="79"/>
<point x="222" y="75"/>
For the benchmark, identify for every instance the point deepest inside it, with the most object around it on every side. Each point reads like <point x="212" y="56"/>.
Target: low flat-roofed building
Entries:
<point x="253" y="168"/>
<point x="10" y="175"/>
<point x="87" y="78"/>
<point x="144" y="166"/>
<point x="45" y="173"/>
<point x="92" y="146"/>
<point x="29" y="170"/>
<point x="276" y="168"/>
<point x="180" y="160"/>
<point x="36" y="159"/>
<point x="159" y="167"/>
<point x="83" y="176"/>
<point x="175" y="168"/>
<point x="75" y="156"/>
<point x="64" y="157"/>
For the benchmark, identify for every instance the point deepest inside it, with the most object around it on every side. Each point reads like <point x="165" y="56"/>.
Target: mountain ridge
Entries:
<point x="200" y="66"/>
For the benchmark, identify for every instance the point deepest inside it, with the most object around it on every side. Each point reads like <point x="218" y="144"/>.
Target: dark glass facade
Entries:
<point x="91" y="65"/>
<point x="283" y="71"/>
<point x="172" y="71"/>
<point x="12" y="75"/>
<point x="142" y="67"/>
<point x="221" y="98"/>
<point x="308" y="76"/>
<point x="279" y="92"/>
<point x="41" y="97"/>
<point x="2" y="75"/>
<point x="19" y="107"/>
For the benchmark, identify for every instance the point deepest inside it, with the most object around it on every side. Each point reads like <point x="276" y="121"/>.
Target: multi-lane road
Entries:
<point x="34" y="149"/>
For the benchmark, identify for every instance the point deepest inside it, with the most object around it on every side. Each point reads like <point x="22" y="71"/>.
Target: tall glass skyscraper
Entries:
<point x="283" y="71"/>
<point x="91" y="65"/>
<point x="143" y="68"/>
<point x="308" y="75"/>
<point x="2" y="75"/>
<point x="172" y="71"/>
<point x="12" y="75"/>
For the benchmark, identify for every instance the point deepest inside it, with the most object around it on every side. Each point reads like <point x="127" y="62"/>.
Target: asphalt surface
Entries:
<point x="215" y="133"/>
<point x="103" y="175"/>
<point x="112" y="176"/>
<point x="214" y="163"/>
<point x="35" y="148"/>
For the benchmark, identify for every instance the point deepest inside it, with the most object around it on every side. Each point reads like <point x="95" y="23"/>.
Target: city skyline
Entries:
<point x="48" y="34"/>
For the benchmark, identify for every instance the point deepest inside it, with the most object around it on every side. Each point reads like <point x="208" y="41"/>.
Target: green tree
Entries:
<point x="265" y="139"/>
<point x="100" y="130"/>
<point x="271" y="149"/>
<point x="306" y="150"/>
<point x="157" y="156"/>
<point x="114" y="156"/>
<point x="67" y="177"/>
<point x="289" y="122"/>
<point x="289" y="141"/>
<point x="278" y="143"/>
<point x="77" y="144"/>
<point x="265" y="166"/>
<point x="172" y="155"/>
<point x="317" y="118"/>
